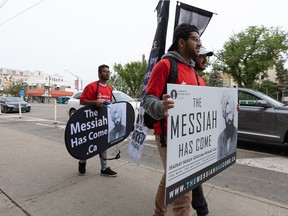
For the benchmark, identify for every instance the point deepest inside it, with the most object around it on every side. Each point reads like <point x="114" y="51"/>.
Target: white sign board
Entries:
<point x="201" y="136"/>
<point x="136" y="144"/>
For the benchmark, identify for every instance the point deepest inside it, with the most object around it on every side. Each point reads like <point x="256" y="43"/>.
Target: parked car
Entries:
<point x="74" y="103"/>
<point x="11" y="104"/>
<point x="261" y="119"/>
<point x="63" y="99"/>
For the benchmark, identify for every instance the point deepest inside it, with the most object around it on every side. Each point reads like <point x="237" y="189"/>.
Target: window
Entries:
<point x="246" y="99"/>
<point x="77" y="95"/>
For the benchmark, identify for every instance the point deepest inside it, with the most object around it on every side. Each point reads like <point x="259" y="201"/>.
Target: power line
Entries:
<point x="21" y="12"/>
<point x="1" y="5"/>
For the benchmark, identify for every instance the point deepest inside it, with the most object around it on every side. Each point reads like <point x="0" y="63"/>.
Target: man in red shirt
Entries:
<point x="185" y="47"/>
<point x="95" y="94"/>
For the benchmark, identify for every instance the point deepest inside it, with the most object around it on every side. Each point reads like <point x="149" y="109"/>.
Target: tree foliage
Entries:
<point x="14" y="90"/>
<point x="215" y="79"/>
<point x="249" y="54"/>
<point x="118" y="83"/>
<point x="129" y="78"/>
<point x="281" y="72"/>
<point x="269" y="88"/>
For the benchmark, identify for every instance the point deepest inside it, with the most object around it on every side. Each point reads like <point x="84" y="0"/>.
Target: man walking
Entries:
<point x="185" y="47"/>
<point x="95" y="94"/>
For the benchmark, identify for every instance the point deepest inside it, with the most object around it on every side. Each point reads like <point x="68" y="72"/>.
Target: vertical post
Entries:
<point x="0" y="110"/>
<point x="277" y="93"/>
<point x="20" y="111"/>
<point x="77" y="83"/>
<point x="55" y="112"/>
<point x="78" y="78"/>
<point x="49" y="85"/>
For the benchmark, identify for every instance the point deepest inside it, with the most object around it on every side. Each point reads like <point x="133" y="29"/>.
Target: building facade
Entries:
<point x="228" y="81"/>
<point x="36" y="84"/>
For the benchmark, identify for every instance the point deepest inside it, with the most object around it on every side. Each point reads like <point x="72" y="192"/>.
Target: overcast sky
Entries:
<point x="79" y="35"/>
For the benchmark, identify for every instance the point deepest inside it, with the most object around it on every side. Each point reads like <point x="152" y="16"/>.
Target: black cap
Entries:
<point x="181" y="31"/>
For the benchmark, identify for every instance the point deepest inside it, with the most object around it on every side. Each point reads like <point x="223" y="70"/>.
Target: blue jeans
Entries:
<point x="103" y="159"/>
<point x="199" y="202"/>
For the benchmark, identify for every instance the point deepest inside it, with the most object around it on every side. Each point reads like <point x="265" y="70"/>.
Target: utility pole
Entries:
<point x="78" y="78"/>
<point x="49" y="85"/>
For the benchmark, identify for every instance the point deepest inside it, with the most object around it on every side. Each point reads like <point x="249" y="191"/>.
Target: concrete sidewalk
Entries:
<point x="39" y="178"/>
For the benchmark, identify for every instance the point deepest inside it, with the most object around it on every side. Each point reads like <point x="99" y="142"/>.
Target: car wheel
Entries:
<point x="286" y="142"/>
<point x="71" y="112"/>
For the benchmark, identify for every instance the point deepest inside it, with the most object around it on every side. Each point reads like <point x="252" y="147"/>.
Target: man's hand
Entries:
<point x="167" y="103"/>
<point x="99" y="103"/>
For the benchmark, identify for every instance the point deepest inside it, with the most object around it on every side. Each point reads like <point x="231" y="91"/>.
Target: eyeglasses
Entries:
<point x="195" y="39"/>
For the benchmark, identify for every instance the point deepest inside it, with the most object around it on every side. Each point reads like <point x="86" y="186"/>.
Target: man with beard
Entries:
<point x="185" y="47"/>
<point x="119" y="130"/>
<point x="227" y="140"/>
<point x="95" y="94"/>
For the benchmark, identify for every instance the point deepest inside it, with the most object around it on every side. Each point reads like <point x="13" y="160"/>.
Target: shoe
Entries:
<point x="82" y="168"/>
<point x="108" y="172"/>
<point x="208" y="214"/>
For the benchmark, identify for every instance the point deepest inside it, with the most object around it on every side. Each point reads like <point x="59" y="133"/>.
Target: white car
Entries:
<point x="73" y="103"/>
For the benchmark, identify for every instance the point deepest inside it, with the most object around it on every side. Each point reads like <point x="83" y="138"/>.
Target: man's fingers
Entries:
<point x="165" y="96"/>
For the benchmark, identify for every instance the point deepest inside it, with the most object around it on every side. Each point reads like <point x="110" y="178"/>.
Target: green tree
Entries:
<point x="129" y="78"/>
<point x="118" y="83"/>
<point x="269" y="88"/>
<point x="249" y="54"/>
<point x="281" y="72"/>
<point x="14" y="89"/>
<point x="215" y="79"/>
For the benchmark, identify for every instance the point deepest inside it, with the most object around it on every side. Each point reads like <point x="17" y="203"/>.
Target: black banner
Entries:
<point x="90" y="130"/>
<point x="158" y="49"/>
<point x="193" y="15"/>
<point x="158" y="46"/>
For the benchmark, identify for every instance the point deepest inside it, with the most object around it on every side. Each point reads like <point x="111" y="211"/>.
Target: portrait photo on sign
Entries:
<point x="173" y="94"/>
<point x="117" y="121"/>
<point x="227" y="140"/>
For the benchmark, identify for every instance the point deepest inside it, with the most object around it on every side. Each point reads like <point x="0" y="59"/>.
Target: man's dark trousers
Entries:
<point x="199" y="202"/>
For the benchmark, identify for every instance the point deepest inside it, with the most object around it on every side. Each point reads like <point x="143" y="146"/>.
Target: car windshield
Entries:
<point x="16" y="99"/>
<point x="77" y="95"/>
<point x="119" y="96"/>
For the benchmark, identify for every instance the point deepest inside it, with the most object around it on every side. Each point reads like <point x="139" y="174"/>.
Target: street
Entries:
<point x="260" y="170"/>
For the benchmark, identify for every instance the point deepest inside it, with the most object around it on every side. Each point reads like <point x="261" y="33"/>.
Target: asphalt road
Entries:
<point x="260" y="170"/>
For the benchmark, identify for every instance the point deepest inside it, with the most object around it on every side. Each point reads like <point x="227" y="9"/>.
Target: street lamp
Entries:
<point x="49" y="86"/>
<point x="78" y="78"/>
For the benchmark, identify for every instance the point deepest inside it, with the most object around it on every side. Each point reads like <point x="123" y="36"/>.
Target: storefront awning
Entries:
<point x="53" y="93"/>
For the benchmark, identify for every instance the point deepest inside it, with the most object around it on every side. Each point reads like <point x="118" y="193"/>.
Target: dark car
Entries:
<point x="11" y="104"/>
<point x="261" y="119"/>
